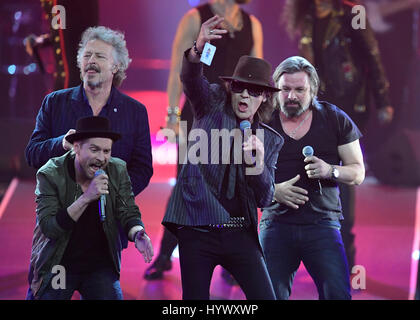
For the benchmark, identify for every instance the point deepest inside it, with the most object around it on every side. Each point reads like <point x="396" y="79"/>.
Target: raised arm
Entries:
<point x="187" y="32"/>
<point x="195" y="85"/>
<point x="257" y="36"/>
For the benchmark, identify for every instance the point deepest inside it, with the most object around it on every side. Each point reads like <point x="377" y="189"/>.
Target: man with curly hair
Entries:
<point x="103" y="60"/>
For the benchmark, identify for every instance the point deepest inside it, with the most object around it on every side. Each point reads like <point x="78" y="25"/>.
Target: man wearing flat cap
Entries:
<point x="81" y="196"/>
<point x="213" y="208"/>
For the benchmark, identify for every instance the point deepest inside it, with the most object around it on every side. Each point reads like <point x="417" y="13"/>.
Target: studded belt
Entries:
<point x="233" y="222"/>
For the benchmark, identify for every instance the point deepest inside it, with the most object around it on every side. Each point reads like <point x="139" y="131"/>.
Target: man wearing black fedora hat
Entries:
<point x="103" y="60"/>
<point x="213" y="207"/>
<point x="82" y="197"/>
<point x="245" y="37"/>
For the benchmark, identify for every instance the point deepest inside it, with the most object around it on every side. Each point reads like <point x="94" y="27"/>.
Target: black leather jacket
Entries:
<point x="351" y="64"/>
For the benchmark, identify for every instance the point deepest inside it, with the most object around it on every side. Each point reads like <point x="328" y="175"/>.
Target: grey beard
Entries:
<point x="94" y="84"/>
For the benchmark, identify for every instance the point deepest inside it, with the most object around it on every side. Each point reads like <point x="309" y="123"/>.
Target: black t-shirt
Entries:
<point x="88" y="248"/>
<point x="330" y="128"/>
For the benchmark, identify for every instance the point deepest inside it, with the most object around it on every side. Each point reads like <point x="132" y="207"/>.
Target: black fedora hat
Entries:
<point x="93" y="127"/>
<point x="254" y="71"/>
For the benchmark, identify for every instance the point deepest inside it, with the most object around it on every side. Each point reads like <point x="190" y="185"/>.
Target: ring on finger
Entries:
<point x="211" y="31"/>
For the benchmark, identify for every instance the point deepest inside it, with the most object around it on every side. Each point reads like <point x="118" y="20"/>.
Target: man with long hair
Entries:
<point x="245" y="37"/>
<point x="303" y="221"/>
<point x="349" y="66"/>
<point x="213" y="208"/>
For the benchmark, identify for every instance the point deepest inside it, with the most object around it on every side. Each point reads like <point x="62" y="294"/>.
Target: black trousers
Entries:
<point x="236" y="250"/>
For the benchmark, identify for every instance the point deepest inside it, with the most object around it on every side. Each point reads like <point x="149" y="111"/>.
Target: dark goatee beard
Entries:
<point x="292" y="112"/>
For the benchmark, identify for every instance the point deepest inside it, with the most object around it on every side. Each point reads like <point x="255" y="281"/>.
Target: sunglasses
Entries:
<point x="239" y="87"/>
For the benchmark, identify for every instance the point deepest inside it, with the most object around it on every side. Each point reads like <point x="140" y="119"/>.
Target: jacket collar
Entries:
<point x="81" y="108"/>
<point x="79" y="95"/>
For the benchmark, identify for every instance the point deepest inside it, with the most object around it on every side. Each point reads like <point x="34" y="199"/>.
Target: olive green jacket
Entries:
<point x="55" y="191"/>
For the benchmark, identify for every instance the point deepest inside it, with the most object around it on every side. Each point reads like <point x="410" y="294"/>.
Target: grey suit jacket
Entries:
<point x="195" y="200"/>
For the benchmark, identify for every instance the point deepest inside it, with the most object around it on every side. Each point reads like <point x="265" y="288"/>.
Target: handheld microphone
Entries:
<point x="244" y="125"/>
<point x="102" y="199"/>
<point x="308" y="151"/>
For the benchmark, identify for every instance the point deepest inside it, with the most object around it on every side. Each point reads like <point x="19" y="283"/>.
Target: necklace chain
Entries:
<point x="295" y="130"/>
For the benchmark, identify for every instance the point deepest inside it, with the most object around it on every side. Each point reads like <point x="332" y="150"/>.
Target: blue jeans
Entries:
<point x="321" y="249"/>
<point x="99" y="285"/>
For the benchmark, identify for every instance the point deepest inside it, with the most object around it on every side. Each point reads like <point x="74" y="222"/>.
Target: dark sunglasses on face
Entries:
<point x="239" y="87"/>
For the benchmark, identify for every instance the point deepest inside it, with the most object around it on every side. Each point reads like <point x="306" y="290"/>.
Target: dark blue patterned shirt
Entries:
<point x="59" y="113"/>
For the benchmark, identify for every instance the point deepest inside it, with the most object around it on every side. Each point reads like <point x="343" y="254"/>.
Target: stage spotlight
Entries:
<point x="18" y="15"/>
<point x="11" y="69"/>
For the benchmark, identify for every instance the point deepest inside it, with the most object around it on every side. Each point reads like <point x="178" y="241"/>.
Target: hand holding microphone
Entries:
<point x="316" y="168"/>
<point x="252" y="147"/>
<point x="104" y="188"/>
<point x="97" y="189"/>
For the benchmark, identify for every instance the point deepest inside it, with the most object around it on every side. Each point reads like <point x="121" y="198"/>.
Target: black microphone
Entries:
<point x="308" y="151"/>
<point x="102" y="199"/>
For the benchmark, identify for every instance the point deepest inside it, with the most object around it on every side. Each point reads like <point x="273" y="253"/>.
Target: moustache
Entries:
<point x="289" y="102"/>
<point x="92" y="67"/>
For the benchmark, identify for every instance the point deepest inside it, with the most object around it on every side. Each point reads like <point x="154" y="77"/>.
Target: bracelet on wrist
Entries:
<point x="174" y="114"/>
<point x="195" y="49"/>
<point x="173" y="110"/>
